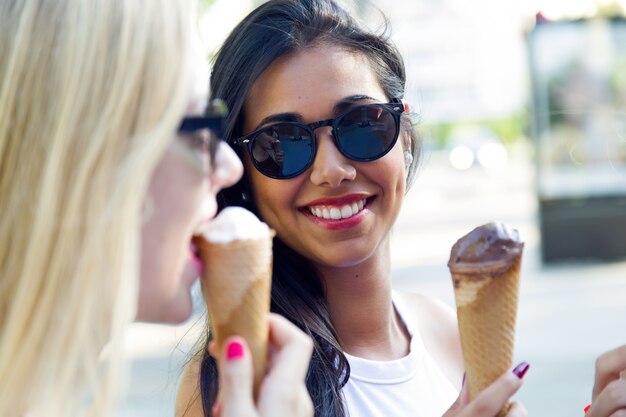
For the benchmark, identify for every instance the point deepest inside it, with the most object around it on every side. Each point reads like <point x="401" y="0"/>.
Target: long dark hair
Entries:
<point x="274" y="29"/>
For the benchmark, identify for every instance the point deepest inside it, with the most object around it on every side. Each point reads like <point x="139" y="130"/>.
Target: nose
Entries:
<point x="227" y="168"/>
<point x="330" y="167"/>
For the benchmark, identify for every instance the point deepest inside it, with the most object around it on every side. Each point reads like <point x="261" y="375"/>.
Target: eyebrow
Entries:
<point x="338" y="108"/>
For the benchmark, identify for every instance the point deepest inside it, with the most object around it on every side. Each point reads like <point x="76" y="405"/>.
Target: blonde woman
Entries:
<point x="100" y="198"/>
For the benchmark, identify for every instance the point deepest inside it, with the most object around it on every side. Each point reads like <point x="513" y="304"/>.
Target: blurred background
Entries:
<point x="522" y="114"/>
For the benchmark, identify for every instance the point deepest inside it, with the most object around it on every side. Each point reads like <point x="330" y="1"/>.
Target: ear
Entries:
<point x="408" y="159"/>
<point x="407" y="140"/>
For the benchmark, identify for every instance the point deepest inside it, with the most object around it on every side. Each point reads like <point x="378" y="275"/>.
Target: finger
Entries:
<point x="611" y="400"/>
<point x="517" y="410"/>
<point x="461" y="401"/>
<point x="305" y="403"/>
<point x="619" y="413"/>
<point x="494" y="397"/>
<point x="608" y="368"/>
<point x="236" y="379"/>
<point x="285" y="400"/>
<point x="284" y="384"/>
<point x="464" y="394"/>
<point x="292" y="350"/>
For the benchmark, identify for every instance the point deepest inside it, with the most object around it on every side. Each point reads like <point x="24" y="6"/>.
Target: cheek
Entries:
<point x="274" y="198"/>
<point x="172" y="210"/>
<point x="258" y="185"/>
<point x="393" y="162"/>
<point x="390" y="173"/>
<point x="264" y="195"/>
<point x="176" y="198"/>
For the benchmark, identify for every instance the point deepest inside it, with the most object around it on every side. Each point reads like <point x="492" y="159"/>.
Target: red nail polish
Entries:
<point x="234" y="351"/>
<point x="587" y="407"/>
<point x="521" y="369"/>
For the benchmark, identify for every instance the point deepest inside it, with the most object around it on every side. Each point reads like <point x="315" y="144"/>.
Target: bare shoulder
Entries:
<point x="188" y="401"/>
<point x="439" y="330"/>
<point x="437" y="320"/>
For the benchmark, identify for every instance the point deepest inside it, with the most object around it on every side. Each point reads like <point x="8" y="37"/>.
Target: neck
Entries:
<point x="361" y="308"/>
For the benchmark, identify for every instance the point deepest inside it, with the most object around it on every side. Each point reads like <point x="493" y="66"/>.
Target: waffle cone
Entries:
<point x="486" y="301"/>
<point x="236" y="285"/>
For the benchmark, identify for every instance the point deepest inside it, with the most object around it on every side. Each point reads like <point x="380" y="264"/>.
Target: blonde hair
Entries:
<point x="91" y="93"/>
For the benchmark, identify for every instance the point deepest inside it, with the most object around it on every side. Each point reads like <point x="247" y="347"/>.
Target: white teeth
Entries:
<point x="336" y="213"/>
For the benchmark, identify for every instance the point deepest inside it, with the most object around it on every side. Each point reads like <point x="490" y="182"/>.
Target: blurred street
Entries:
<point x="568" y="314"/>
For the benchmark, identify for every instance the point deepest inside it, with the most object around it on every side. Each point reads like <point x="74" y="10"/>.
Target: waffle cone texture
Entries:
<point x="487" y="299"/>
<point x="236" y="285"/>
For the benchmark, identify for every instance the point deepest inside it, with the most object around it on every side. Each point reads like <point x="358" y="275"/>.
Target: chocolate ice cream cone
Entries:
<point x="485" y="268"/>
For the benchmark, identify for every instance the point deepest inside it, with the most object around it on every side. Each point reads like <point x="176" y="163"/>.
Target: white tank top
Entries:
<point x="412" y="386"/>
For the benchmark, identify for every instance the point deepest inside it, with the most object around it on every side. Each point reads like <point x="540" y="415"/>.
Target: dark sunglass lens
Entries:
<point x="367" y="132"/>
<point x="283" y="150"/>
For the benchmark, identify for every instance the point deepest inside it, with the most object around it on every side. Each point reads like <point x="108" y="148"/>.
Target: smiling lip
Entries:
<point x="338" y="213"/>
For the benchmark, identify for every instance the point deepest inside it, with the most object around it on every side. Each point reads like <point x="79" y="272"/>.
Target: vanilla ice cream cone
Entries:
<point x="236" y="285"/>
<point x="485" y="268"/>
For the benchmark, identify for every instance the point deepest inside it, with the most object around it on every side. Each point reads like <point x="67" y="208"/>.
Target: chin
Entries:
<point x="172" y="312"/>
<point x="177" y="318"/>
<point x="167" y="317"/>
<point x="179" y="312"/>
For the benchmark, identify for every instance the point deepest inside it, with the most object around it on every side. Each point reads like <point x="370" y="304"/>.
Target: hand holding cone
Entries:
<point x="485" y="268"/>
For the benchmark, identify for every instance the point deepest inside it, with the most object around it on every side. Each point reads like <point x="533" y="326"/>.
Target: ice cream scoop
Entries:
<point x="236" y="249"/>
<point x="485" y="268"/>
<point x="491" y="245"/>
<point x="235" y="223"/>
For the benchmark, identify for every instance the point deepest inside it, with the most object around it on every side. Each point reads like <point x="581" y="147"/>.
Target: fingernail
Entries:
<point x="234" y="351"/>
<point x="521" y="369"/>
<point x="587" y="407"/>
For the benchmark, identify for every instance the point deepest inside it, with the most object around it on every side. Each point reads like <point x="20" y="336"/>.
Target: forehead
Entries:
<point x="310" y="80"/>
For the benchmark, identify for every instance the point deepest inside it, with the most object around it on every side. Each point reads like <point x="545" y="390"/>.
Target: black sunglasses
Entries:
<point x="286" y="149"/>
<point x="213" y="120"/>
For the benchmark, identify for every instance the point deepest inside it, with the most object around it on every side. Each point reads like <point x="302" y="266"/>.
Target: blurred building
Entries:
<point x="579" y="93"/>
<point x="465" y="60"/>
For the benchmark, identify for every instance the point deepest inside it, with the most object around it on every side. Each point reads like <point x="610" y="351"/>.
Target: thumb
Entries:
<point x="236" y="379"/>
<point x="461" y="401"/>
